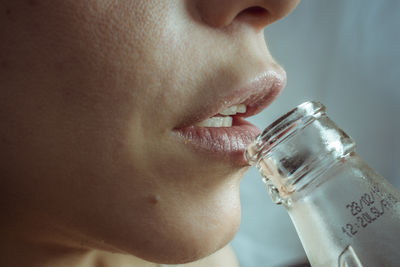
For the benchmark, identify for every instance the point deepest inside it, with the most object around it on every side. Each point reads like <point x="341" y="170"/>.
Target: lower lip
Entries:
<point x="228" y="143"/>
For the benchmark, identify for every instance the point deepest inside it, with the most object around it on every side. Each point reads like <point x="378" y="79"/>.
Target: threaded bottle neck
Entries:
<point x="297" y="148"/>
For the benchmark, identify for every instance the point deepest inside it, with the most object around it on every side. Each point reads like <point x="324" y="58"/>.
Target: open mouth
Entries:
<point x="224" y="118"/>
<point x="222" y="130"/>
<point x="226" y="134"/>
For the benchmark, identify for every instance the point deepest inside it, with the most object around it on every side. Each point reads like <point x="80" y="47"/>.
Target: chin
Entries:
<point x="186" y="228"/>
<point x="174" y="218"/>
<point x="193" y="243"/>
<point x="204" y="223"/>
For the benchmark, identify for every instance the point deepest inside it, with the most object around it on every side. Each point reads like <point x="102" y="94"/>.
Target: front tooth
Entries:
<point x="227" y="122"/>
<point x="206" y="123"/>
<point x="232" y="110"/>
<point x="241" y="108"/>
<point x="216" y="122"/>
<point x="229" y="111"/>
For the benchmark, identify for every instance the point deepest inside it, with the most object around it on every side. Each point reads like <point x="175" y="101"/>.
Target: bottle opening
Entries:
<point x="296" y="148"/>
<point x="297" y="118"/>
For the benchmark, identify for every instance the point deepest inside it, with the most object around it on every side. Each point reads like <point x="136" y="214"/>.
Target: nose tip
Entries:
<point x="256" y="13"/>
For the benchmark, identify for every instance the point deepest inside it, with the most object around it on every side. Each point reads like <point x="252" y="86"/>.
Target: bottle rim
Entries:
<point x="330" y="143"/>
<point x="292" y="121"/>
<point x="303" y="114"/>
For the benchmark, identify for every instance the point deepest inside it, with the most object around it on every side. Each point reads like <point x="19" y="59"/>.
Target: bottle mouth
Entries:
<point x="279" y="130"/>
<point x="297" y="148"/>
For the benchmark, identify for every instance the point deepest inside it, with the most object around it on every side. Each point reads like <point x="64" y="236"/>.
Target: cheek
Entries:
<point x="99" y="124"/>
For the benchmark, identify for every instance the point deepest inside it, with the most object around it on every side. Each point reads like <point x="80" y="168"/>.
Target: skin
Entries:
<point x="91" y="92"/>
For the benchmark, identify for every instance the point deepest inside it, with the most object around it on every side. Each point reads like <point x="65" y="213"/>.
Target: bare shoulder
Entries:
<point x="224" y="257"/>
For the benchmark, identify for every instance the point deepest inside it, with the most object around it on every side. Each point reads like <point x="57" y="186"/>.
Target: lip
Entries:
<point x="230" y="143"/>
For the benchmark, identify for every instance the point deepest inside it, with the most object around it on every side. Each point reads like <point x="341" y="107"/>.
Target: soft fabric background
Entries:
<point x="346" y="54"/>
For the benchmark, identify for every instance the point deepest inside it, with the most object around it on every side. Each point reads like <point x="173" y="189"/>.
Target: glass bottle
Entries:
<point x="344" y="212"/>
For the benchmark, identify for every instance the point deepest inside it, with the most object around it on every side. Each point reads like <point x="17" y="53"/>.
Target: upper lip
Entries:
<point x="256" y="95"/>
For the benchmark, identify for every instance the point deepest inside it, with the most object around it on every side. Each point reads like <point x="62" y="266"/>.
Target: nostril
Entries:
<point x="254" y="11"/>
<point x="255" y="15"/>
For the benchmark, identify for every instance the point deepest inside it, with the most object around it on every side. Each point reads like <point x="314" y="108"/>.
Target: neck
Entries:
<point x="20" y="249"/>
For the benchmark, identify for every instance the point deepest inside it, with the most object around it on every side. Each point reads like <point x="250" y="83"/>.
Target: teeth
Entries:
<point x="216" y="122"/>
<point x="241" y="108"/>
<point x="232" y="110"/>
<point x="223" y="121"/>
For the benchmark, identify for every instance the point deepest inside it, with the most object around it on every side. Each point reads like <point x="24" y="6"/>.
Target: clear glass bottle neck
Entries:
<point x="296" y="149"/>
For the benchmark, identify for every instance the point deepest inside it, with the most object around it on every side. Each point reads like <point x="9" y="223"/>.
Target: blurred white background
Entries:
<point x="346" y="54"/>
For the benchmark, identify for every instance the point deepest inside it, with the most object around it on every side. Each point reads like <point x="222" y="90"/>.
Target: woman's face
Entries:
<point x="98" y="104"/>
